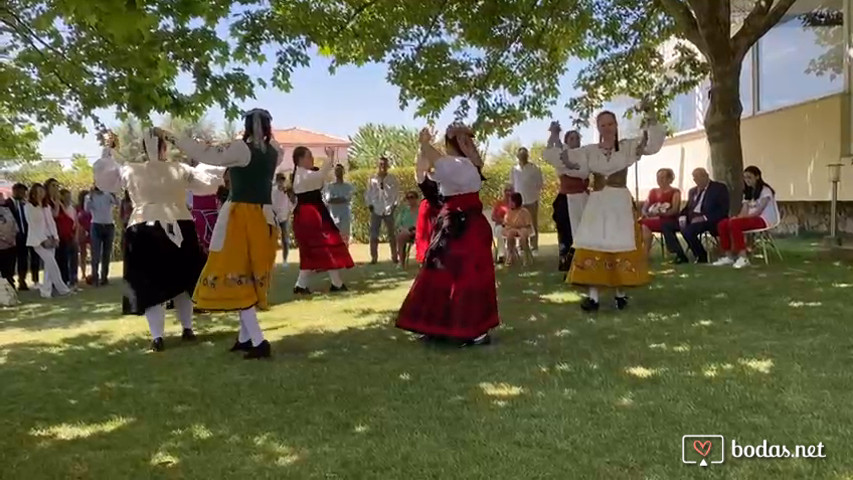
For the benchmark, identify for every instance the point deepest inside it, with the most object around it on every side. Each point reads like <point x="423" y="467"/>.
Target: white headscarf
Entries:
<point x="151" y="143"/>
<point x="257" y="132"/>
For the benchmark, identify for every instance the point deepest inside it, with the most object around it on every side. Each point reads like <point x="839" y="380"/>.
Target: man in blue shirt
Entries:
<point x="102" y="207"/>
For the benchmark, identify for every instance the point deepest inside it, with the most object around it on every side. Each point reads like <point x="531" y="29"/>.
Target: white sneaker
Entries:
<point x="723" y="262"/>
<point x="741" y="262"/>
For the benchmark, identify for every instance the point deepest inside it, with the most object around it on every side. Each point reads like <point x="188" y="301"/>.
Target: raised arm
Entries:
<point x="560" y="157"/>
<point x="234" y="154"/>
<point x="428" y="153"/>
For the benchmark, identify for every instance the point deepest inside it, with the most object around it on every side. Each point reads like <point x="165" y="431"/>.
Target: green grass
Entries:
<point x="763" y="353"/>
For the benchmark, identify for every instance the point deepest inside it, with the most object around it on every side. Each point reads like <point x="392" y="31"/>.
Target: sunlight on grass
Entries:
<point x="643" y="372"/>
<point x="68" y="431"/>
<point x="703" y="323"/>
<point x="842" y="285"/>
<point x="361" y="428"/>
<point x="274" y="451"/>
<point x="164" y="459"/>
<point x="501" y="390"/>
<point x="762" y="366"/>
<point x="713" y="370"/>
<point x="625" y="401"/>
<point x="405" y="377"/>
<point x="804" y="304"/>
<point x="568" y="296"/>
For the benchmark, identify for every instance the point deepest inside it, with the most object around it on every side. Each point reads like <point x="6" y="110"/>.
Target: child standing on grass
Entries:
<point x="518" y="224"/>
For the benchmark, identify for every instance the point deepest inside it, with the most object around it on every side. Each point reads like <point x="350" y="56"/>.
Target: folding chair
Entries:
<point x="763" y="239"/>
<point x="710" y="243"/>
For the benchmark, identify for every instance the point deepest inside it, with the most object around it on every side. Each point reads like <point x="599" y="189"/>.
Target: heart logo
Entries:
<point x="703" y="448"/>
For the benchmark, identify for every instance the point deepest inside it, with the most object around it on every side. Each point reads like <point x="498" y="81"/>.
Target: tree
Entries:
<point x="19" y="140"/>
<point x="371" y="141"/>
<point x="80" y="164"/>
<point x="509" y="150"/>
<point x="501" y="60"/>
<point x="60" y="62"/>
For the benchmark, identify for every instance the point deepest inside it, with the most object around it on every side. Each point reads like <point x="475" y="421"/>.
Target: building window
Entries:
<point x="801" y="58"/>
<point x="683" y="112"/>
<point x="746" y="84"/>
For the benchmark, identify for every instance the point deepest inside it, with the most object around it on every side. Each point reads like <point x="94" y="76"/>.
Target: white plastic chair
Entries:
<point x="763" y="238"/>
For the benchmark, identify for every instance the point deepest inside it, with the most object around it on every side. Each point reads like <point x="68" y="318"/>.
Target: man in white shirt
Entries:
<point x="527" y="180"/>
<point x="282" y="205"/>
<point x="381" y="198"/>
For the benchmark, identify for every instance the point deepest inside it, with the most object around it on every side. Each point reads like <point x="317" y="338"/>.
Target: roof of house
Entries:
<point x="300" y="136"/>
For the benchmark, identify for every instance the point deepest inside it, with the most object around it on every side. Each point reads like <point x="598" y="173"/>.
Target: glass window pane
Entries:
<point x="682" y="112"/>
<point x="746" y="84"/>
<point x="801" y="58"/>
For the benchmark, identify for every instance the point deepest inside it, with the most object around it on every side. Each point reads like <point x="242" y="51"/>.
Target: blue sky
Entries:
<point x="334" y="104"/>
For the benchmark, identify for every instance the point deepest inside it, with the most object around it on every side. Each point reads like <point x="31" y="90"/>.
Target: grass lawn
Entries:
<point x="763" y="353"/>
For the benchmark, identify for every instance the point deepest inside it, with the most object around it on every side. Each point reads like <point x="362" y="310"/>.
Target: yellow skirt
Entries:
<point x="238" y="276"/>
<point x="605" y="269"/>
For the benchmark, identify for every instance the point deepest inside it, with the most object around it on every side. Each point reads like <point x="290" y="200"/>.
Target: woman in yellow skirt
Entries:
<point x="608" y="241"/>
<point x="243" y="245"/>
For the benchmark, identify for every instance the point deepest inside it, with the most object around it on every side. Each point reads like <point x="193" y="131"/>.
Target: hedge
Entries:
<point x="497" y="175"/>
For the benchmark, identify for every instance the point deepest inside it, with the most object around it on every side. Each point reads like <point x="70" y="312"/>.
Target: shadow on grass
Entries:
<point x="727" y="352"/>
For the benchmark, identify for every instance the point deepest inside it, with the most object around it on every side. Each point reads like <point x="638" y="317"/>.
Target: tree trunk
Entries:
<point x="722" y="127"/>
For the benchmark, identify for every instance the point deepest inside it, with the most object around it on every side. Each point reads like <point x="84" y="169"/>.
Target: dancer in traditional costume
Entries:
<point x="243" y="246"/>
<point x="321" y="246"/>
<point x="427" y="210"/>
<point x="572" y="197"/>
<point x="162" y="256"/>
<point x="454" y="296"/>
<point x="608" y="241"/>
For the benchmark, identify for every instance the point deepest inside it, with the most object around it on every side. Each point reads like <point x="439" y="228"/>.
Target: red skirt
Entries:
<point x="321" y="247"/>
<point x="458" y="298"/>
<point x="423" y="228"/>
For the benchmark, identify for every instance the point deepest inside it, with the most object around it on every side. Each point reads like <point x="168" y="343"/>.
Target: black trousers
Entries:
<point x="8" y="257"/>
<point x="691" y="233"/>
<point x="27" y="259"/>
<point x="564" y="231"/>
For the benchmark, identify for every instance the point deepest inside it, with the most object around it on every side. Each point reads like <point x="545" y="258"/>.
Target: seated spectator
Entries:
<point x="758" y="211"/>
<point x="498" y="213"/>
<point x="518" y="226"/>
<point x="8" y="239"/>
<point x="405" y="224"/>
<point x="707" y="204"/>
<point x="661" y="207"/>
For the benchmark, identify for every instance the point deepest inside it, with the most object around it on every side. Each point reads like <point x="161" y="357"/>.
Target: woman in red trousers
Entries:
<point x="454" y="296"/>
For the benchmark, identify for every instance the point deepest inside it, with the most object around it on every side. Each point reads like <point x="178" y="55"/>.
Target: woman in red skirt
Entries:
<point x="427" y="211"/>
<point x="454" y="296"/>
<point x="321" y="247"/>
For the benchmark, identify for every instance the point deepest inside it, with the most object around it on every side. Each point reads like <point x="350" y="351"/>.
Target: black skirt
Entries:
<point x="157" y="270"/>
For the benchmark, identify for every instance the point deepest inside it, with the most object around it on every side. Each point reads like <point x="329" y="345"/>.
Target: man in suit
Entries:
<point x="26" y="256"/>
<point x="707" y="204"/>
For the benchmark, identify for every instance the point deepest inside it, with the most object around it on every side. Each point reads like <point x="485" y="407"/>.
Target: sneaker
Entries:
<point x="741" y="262"/>
<point x="723" y="262"/>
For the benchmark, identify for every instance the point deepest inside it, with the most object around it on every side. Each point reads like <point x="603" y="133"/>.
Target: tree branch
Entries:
<point x="759" y="21"/>
<point x="353" y="17"/>
<point x="686" y="22"/>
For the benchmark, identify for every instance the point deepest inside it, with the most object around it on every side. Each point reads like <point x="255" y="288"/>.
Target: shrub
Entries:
<point x="496" y="176"/>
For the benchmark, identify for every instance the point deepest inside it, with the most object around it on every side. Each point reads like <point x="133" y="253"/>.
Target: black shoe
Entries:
<point x="241" y="346"/>
<point x="589" y="305"/>
<point x="22" y="287"/>
<point x="261" y="351"/>
<point x="374" y="262"/>
<point x="104" y="282"/>
<point x="157" y="345"/>
<point x="301" y="291"/>
<point x="188" y="335"/>
<point x="342" y="288"/>
<point x="680" y="260"/>
<point x="621" y="303"/>
<point x="501" y="260"/>
<point x="475" y="342"/>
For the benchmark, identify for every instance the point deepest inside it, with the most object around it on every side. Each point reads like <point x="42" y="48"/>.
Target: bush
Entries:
<point x="497" y="175"/>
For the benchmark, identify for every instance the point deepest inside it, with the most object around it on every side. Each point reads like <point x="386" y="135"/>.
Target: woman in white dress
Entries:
<point x="44" y="238"/>
<point x="608" y="240"/>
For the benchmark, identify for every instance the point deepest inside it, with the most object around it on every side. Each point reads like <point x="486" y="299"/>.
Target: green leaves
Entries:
<point x="399" y="144"/>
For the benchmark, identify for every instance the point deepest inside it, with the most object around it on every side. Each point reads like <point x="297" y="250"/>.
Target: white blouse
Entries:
<point x="41" y="224"/>
<point x="157" y="189"/>
<point x="234" y="154"/>
<point x="596" y="160"/>
<point x="305" y="180"/>
<point x="456" y="176"/>
<point x="555" y="156"/>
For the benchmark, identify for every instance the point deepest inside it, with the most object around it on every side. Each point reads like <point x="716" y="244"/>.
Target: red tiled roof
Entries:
<point x="298" y="136"/>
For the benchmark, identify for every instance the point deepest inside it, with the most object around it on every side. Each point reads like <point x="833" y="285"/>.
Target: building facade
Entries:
<point x="795" y="91"/>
